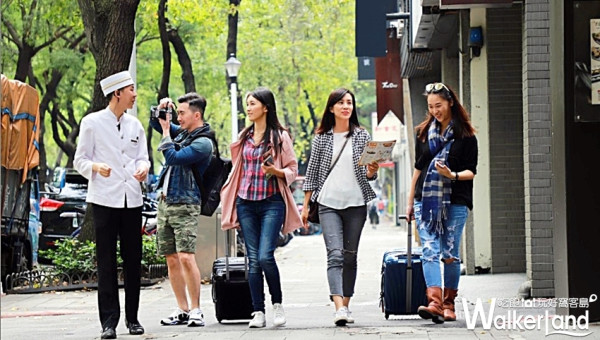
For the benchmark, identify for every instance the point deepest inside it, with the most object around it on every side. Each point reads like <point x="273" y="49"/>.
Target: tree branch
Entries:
<point x="57" y="36"/>
<point x="14" y="36"/>
<point x="187" y="74"/>
<point x="28" y="23"/>
<point x="147" y="37"/>
<point x="55" y="134"/>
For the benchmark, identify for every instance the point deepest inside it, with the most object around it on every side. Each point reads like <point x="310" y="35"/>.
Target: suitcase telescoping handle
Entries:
<point x="408" y="261"/>
<point x="227" y="247"/>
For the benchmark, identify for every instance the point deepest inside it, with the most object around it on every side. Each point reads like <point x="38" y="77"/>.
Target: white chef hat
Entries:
<point x="115" y="82"/>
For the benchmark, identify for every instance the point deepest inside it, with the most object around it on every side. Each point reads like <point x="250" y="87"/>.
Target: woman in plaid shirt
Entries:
<point x="257" y="198"/>
<point x="342" y="198"/>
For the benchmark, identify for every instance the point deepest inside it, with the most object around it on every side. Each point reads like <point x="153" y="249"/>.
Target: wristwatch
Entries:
<point x="456" y="176"/>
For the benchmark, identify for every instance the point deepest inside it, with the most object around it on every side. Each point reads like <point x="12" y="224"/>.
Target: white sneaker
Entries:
<point x="350" y="318"/>
<point x="178" y="317"/>
<point x="341" y="317"/>
<point x="279" y="315"/>
<point x="258" y="320"/>
<point x="196" y="318"/>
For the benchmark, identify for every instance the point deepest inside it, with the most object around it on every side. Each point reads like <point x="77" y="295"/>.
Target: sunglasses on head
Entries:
<point x="435" y="88"/>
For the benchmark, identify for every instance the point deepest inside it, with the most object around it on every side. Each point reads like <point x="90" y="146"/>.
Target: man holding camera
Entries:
<point x="179" y="204"/>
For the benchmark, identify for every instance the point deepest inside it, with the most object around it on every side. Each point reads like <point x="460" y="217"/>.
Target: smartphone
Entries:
<point x="268" y="160"/>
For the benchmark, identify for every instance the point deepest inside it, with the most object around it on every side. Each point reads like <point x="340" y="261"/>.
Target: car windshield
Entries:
<point x="69" y="185"/>
<point x="73" y="191"/>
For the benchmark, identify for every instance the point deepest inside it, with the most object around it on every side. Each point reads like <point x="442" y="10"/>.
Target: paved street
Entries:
<point x="73" y="315"/>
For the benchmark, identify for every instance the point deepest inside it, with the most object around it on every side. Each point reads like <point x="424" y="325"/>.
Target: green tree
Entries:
<point x="41" y="43"/>
<point x="302" y="50"/>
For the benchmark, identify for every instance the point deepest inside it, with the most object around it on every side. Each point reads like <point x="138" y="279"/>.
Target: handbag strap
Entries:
<point x="335" y="161"/>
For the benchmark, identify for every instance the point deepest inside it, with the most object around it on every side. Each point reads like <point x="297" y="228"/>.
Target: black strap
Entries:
<point x="203" y="193"/>
<point x="337" y="157"/>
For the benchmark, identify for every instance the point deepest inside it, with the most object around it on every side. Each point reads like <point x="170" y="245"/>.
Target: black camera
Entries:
<point x="160" y="113"/>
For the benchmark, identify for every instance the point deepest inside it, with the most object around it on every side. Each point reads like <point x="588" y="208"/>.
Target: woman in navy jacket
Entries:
<point x="441" y="194"/>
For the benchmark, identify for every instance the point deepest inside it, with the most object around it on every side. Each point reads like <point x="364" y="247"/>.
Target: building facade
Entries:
<point x="530" y="87"/>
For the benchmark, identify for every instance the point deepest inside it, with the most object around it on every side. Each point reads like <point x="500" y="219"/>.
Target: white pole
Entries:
<point x="234" y="109"/>
<point x="133" y="72"/>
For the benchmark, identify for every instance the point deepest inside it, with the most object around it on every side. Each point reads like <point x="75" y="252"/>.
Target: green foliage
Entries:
<point x="150" y="251"/>
<point x="290" y="46"/>
<point x="73" y="256"/>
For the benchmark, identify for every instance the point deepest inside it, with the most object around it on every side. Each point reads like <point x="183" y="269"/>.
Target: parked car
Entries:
<point x="62" y="207"/>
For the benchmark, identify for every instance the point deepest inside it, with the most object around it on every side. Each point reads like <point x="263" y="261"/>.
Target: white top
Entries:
<point x="124" y="151"/>
<point x="341" y="189"/>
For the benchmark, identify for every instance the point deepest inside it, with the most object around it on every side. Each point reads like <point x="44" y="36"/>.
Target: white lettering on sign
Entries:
<point x="388" y="85"/>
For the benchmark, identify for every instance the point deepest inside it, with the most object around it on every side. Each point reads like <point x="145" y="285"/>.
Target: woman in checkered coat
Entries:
<point x="340" y="186"/>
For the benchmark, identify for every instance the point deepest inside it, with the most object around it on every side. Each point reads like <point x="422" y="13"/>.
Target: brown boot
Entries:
<point x="434" y="309"/>
<point x="448" y="305"/>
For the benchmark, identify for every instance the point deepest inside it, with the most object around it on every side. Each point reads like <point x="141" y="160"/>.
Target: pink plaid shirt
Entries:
<point x="255" y="185"/>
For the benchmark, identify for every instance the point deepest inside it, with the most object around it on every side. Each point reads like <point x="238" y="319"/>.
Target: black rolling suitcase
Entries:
<point x="230" y="288"/>
<point x="402" y="282"/>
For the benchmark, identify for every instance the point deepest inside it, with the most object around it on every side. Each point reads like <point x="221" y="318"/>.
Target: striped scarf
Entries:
<point x="437" y="189"/>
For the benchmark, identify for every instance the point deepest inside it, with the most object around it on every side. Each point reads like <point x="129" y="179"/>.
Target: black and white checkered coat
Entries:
<point x="321" y="157"/>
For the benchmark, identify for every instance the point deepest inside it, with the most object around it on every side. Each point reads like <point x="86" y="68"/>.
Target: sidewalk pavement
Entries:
<point x="302" y="264"/>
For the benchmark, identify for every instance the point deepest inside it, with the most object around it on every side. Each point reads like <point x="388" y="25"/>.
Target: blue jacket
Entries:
<point x="181" y="154"/>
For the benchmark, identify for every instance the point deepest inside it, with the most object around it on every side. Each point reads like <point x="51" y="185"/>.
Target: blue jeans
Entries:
<point x="445" y="245"/>
<point x="261" y="223"/>
<point x="341" y="232"/>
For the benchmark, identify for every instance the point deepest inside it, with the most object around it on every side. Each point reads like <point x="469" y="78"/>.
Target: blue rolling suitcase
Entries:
<point x="402" y="282"/>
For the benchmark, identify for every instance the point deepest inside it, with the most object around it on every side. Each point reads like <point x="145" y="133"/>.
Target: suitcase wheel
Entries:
<point x="387" y="316"/>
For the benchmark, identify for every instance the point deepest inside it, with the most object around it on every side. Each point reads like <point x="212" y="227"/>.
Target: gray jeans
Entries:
<point x="341" y="232"/>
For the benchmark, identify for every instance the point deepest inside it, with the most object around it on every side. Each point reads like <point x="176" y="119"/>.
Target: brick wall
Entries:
<point x="504" y="45"/>
<point x="537" y="139"/>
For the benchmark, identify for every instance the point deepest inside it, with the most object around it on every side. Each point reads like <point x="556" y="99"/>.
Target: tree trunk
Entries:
<point x="184" y="61"/>
<point x="110" y="31"/>
<point x="26" y="53"/>
<point x="149" y="132"/>
<point x="49" y="96"/>
<point x="43" y="167"/>
<point x="311" y="110"/>
<point x="163" y="91"/>
<point x="87" y="227"/>
<point x="232" y="25"/>
<point x="24" y="69"/>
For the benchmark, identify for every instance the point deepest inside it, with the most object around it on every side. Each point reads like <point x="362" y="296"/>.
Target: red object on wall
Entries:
<point x="388" y="79"/>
